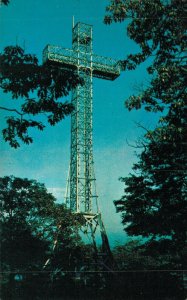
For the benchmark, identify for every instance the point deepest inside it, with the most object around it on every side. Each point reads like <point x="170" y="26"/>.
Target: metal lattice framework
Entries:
<point x="86" y="64"/>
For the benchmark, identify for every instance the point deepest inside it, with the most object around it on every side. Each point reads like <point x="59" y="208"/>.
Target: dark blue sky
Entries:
<point x="33" y="25"/>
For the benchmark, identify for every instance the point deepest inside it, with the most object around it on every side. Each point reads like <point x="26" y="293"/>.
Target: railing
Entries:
<point x="78" y="58"/>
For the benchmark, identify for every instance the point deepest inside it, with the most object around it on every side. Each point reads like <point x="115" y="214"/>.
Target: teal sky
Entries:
<point x="33" y="25"/>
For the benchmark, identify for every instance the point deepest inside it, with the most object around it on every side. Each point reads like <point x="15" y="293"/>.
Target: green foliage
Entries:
<point x="150" y="255"/>
<point x="30" y="223"/>
<point x="147" y="266"/>
<point x="33" y="229"/>
<point x="40" y="86"/>
<point x="5" y="2"/>
<point x="159" y="30"/>
<point x="155" y="201"/>
<point x="131" y="256"/>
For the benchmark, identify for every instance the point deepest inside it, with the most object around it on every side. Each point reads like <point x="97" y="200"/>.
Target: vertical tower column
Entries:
<point x="81" y="167"/>
<point x="81" y="189"/>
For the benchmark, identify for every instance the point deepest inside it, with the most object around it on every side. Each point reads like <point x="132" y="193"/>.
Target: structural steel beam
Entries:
<point x="81" y="60"/>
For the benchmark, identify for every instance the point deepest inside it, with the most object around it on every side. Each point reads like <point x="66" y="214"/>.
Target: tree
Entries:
<point x="36" y="90"/>
<point x="148" y="272"/>
<point x="30" y="223"/>
<point x="155" y="201"/>
<point x="136" y="255"/>
<point x="5" y="2"/>
<point x="131" y="256"/>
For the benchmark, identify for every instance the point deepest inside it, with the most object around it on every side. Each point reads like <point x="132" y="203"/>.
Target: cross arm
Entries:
<point x="102" y="67"/>
<point x="105" y="67"/>
<point x="66" y="57"/>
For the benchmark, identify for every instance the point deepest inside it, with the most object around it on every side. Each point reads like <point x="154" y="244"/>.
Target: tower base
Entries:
<point x="102" y="253"/>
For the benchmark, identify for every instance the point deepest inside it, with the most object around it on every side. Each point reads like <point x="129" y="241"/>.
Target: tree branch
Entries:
<point x="137" y="146"/>
<point x="14" y="110"/>
<point x="147" y="130"/>
<point x="141" y="126"/>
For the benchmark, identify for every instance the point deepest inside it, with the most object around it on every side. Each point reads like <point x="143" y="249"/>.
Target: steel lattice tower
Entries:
<point x="82" y="192"/>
